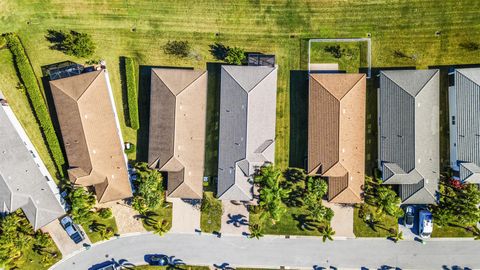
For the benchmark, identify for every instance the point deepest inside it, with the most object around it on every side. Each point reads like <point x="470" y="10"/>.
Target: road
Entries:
<point x="271" y="251"/>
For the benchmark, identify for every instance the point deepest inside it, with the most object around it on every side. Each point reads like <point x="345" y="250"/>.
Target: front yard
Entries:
<point x="162" y="214"/>
<point x="211" y="215"/>
<point x="362" y="229"/>
<point x="95" y="231"/>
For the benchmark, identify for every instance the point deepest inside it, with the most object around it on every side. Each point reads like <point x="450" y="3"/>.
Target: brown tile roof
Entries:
<point x="90" y="135"/>
<point x="336" y="133"/>
<point x="177" y="129"/>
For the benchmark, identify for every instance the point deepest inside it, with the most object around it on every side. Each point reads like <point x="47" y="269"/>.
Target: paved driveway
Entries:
<point x="185" y="215"/>
<point x="342" y="222"/>
<point x="234" y="218"/>
<point x="64" y="243"/>
<point x="271" y="251"/>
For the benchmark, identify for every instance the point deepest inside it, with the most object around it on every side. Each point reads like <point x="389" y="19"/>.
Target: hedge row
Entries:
<point x="34" y="93"/>
<point x="131" y="82"/>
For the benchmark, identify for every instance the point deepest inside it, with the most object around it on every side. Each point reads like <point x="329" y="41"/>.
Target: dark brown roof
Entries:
<point x="91" y="136"/>
<point x="177" y="129"/>
<point x="336" y="133"/>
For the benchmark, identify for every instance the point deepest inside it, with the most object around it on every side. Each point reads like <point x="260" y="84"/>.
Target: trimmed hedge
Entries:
<point x="131" y="93"/>
<point x="34" y="93"/>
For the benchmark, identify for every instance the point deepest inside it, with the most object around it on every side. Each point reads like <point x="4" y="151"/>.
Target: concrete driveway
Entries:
<point x="64" y="243"/>
<point x="342" y="222"/>
<point x="234" y="218"/>
<point x="185" y="215"/>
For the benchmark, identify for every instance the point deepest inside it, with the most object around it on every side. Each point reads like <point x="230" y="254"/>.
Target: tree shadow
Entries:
<point x="304" y="223"/>
<point x="218" y="51"/>
<point x="298" y="118"/>
<point x="123" y="82"/>
<point x="55" y="38"/>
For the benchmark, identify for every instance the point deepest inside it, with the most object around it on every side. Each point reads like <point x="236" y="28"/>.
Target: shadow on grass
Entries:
<point x="123" y="82"/>
<point x="304" y="223"/>
<point x="298" y="118"/>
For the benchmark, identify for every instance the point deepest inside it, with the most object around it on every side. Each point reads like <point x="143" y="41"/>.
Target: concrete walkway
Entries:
<point x="342" y="222"/>
<point x="185" y="215"/>
<point x="234" y="218"/>
<point x="271" y="251"/>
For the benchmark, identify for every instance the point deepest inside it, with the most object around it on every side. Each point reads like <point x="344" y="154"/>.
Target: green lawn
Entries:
<point x="352" y="55"/>
<point x="361" y="229"/>
<point x="450" y="231"/>
<point x="33" y="260"/>
<point x="140" y="29"/>
<point x="162" y="213"/>
<point x="109" y="223"/>
<point x="211" y="221"/>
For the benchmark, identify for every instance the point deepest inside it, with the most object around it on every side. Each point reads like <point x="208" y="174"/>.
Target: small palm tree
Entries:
<point x="396" y="236"/>
<point x="161" y="227"/>
<point x="255" y="231"/>
<point x="327" y="233"/>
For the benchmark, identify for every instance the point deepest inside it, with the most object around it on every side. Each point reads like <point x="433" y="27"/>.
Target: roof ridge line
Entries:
<point x="326" y="89"/>
<point x="188" y="85"/>
<point x="467" y="78"/>
<point x="94" y="79"/>
<point x="355" y="84"/>
<point x="268" y="74"/>
<point x="390" y="79"/>
<point x="425" y="84"/>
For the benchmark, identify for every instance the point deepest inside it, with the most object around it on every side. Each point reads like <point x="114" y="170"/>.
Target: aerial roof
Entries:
<point x="336" y="133"/>
<point x="177" y="129"/>
<point x="467" y="92"/>
<point x="247" y="127"/>
<point x="91" y="136"/>
<point x="24" y="180"/>
<point x="408" y="114"/>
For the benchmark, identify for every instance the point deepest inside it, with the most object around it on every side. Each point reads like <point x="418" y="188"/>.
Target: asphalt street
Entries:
<point x="271" y="251"/>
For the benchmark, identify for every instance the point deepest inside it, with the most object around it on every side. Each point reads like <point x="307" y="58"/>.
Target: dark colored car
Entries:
<point x="72" y="229"/>
<point x="409" y="218"/>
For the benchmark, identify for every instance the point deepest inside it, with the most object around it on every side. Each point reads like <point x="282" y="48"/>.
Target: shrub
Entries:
<point x="34" y="93"/>
<point x="82" y="203"/>
<point x="149" y="189"/>
<point x="3" y="42"/>
<point x="131" y="150"/>
<point x="132" y="98"/>
<point x="235" y="56"/>
<point x="335" y="50"/>
<point x="71" y="43"/>
<point x="177" y="48"/>
<point x="105" y="213"/>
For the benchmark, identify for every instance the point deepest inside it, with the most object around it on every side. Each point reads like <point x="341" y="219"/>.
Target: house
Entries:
<point x="91" y="134"/>
<point x="464" y="100"/>
<point x="177" y="129"/>
<point x="25" y="182"/>
<point x="336" y="133"/>
<point x="408" y="133"/>
<point x="247" y="127"/>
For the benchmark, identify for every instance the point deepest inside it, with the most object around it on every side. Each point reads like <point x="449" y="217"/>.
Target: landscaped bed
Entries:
<point x="350" y="56"/>
<point x="211" y="215"/>
<point x="161" y="214"/>
<point x="95" y="233"/>
<point x="363" y="229"/>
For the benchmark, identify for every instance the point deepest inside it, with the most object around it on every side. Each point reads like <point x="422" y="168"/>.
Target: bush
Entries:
<point x="3" y="42"/>
<point x="105" y="213"/>
<point x="335" y="50"/>
<point x="132" y="99"/>
<point x="131" y="150"/>
<point x="235" y="56"/>
<point x="149" y="192"/>
<point x="82" y="203"/>
<point x="177" y="48"/>
<point x="34" y="93"/>
<point x="71" y="43"/>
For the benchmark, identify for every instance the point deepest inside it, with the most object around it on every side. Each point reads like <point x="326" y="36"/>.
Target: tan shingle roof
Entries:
<point x="336" y="133"/>
<point x="177" y="129"/>
<point x="90" y="135"/>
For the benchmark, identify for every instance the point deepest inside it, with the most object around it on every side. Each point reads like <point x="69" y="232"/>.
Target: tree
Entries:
<point x="295" y="175"/>
<point x="149" y="189"/>
<point x="82" y="202"/>
<point x="255" y="231"/>
<point x="335" y="50"/>
<point x="161" y="227"/>
<point x="71" y="43"/>
<point x="397" y="236"/>
<point x="385" y="200"/>
<point x="177" y="48"/>
<point x="327" y="233"/>
<point x="235" y="56"/>
<point x="105" y="213"/>
<point x="271" y="192"/>
<point x="315" y="190"/>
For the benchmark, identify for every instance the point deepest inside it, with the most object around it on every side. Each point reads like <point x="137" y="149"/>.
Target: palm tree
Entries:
<point x="327" y="233"/>
<point x="255" y="231"/>
<point x="397" y="236"/>
<point x="161" y="227"/>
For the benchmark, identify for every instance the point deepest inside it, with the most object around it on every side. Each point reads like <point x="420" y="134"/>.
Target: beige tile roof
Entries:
<point x="90" y="135"/>
<point x="336" y="133"/>
<point x="177" y="129"/>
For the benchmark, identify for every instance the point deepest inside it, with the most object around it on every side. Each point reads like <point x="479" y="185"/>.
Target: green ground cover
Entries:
<point x="211" y="215"/>
<point x="163" y="212"/>
<point x="96" y="236"/>
<point x="450" y="231"/>
<point x="350" y="56"/>
<point x="362" y="229"/>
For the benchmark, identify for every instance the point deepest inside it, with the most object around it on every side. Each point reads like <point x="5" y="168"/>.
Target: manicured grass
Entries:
<point x="109" y="223"/>
<point x="33" y="260"/>
<point x="161" y="213"/>
<point x="353" y="55"/>
<point x="450" y="231"/>
<point x="210" y="220"/>
<point x="361" y="229"/>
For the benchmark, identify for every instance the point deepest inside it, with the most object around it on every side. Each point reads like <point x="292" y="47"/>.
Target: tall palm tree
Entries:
<point x="327" y="233"/>
<point x="161" y="227"/>
<point x="397" y="236"/>
<point x="255" y="231"/>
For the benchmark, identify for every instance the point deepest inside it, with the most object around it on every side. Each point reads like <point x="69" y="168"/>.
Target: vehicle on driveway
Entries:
<point x="409" y="218"/>
<point x="72" y="229"/>
<point x="425" y="223"/>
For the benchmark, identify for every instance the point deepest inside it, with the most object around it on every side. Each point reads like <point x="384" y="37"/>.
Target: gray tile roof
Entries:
<point x="467" y="93"/>
<point x="22" y="183"/>
<point x="408" y="109"/>
<point x="247" y="127"/>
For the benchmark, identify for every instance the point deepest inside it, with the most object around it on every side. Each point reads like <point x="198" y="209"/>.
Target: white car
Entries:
<point x="425" y="223"/>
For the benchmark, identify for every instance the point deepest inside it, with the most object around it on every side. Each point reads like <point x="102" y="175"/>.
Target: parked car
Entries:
<point x="72" y="229"/>
<point x="425" y="223"/>
<point x="159" y="260"/>
<point x="111" y="266"/>
<point x="409" y="218"/>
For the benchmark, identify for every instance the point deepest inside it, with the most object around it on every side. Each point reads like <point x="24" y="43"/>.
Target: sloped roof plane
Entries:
<point x="177" y="129"/>
<point x="336" y="133"/>
<point x="467" y="98"/>
<point x="90" y="134"/>
<point x="23" y="184"/>
<point x="408" y="114"/>
<point x="247" y="127"/>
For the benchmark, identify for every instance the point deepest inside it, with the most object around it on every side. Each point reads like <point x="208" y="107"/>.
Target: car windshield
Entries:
<point x="409" y="219"/>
